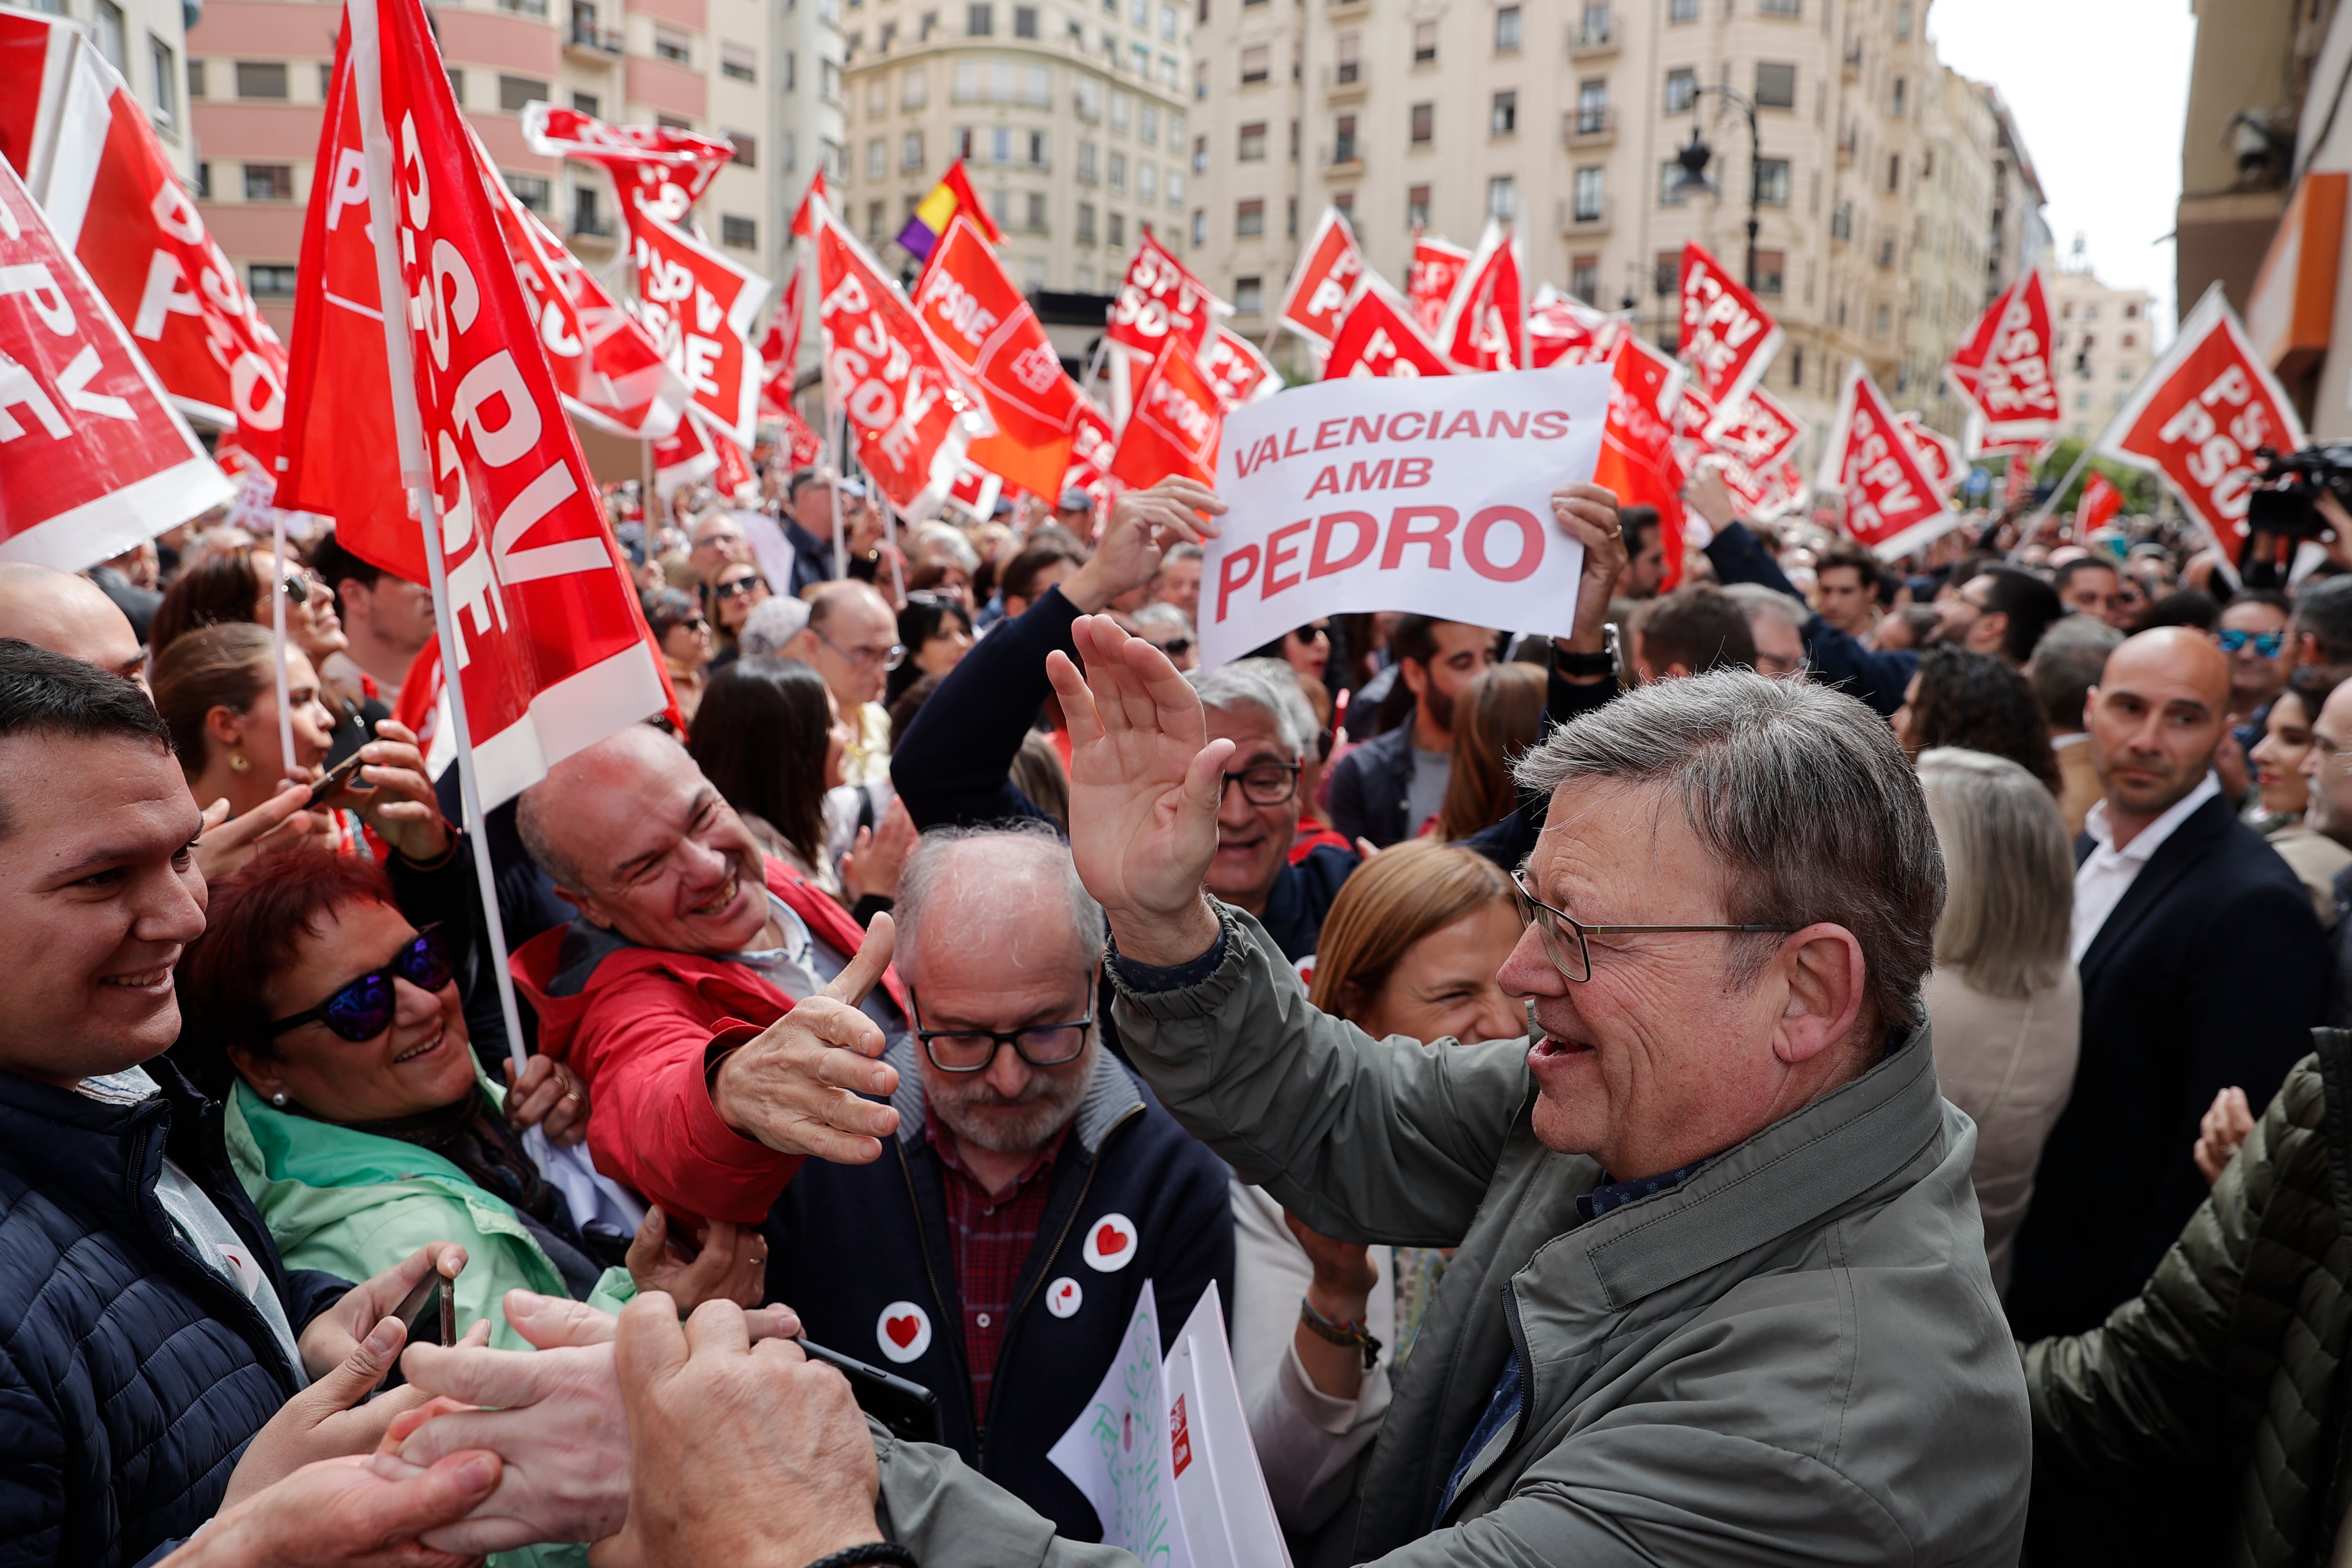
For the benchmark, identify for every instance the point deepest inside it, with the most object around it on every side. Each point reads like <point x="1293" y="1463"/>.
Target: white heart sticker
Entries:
<point x="904" y="1331"/>
<point x="1064" y="1297"/>
<point x="1111" y="1243"/>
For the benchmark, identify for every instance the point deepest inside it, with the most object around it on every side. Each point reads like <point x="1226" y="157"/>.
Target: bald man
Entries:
<point x="70" y="615"/>
<point x="2202" y="967"/>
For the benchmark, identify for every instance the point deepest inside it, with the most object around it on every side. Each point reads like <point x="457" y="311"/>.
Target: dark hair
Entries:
<point x="920" y="621"/>
<point x="222" y="588"/>
<point x="2066" y="574"/>
<point x="2069" y="662"/>
<point x="2314" y="683"/>
<point x="1637" y="522"/>
<point x="760" y="736"/>
<point x="213" y="666"/>
<point x="802" y="479"/>
<point x="253" y="922"/>
<point x="43" y="693"/>
<point x="908" y="702"/>
<point x="1700" y="627"/>
<point x="2324" y="611"/>
<point x="1846" y="553"/>
<point x="2269" y="596"/>
<point x="2031" y="605"/>
<point x="1976" y="701"/>
<point x="2182" y="607"/>
<point x="336" y="566"/>
<point x="1019" y="578"/>
<point x="1414" y="637"/>
<point x="669" y="608"/>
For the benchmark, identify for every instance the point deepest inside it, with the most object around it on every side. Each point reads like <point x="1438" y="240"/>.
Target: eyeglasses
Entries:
<point x="736" y="589"/>
<point x="1564" y="936"/>
<point x="975" y="1050"/>
<point x="362" y="1009"/>
<point x="1175" y="647"/>
<point x="299" y="585"/>
<point x="889" y="658"/>
<point x="2267" y="644"/>
<point x="1265" y="783"/>
<point x="691" y="623"/>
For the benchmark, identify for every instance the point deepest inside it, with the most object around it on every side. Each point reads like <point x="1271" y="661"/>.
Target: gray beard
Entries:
<point x="978" y="1115"/>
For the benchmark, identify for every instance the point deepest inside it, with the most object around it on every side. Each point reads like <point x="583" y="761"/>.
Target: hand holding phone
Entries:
<point x="430" y="1311"/>
<point x="334" y="779"/>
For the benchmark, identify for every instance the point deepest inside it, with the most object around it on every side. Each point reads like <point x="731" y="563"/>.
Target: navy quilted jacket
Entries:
<point x="131" y="1377"/>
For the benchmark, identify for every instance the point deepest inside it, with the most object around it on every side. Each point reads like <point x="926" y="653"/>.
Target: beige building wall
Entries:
<point x="1959" y="148"/>
<point x="1071" y="117"/>
<point x="146" y="40"/>
<point x="2103" y="342"/>
<point x="1568" y="118"/>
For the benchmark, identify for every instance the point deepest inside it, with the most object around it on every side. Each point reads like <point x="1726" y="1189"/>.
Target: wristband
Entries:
<point x="873" y="1552"/>
<point x="1605" y="663"/>
<point x="1345" y="1335"/>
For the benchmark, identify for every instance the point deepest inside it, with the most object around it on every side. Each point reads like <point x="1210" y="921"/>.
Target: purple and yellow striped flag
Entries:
<point x="932" y="215"/>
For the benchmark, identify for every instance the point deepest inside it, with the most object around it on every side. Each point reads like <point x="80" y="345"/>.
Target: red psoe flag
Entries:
<point x="1237" y="370"/>
<point x="906" y="411"/>
<point x="657" y="169"/>
<point x="699" y="309"/>
<point x="1429" y="281"/>
<point x="2199" y="417"/>
<point x="552" y="651"/>
<point x="1637" y="442"/>
<point x="2098" y="504"/>
<point x="1891" y="505"/>
<point x="1761" y="433"/>
<point x="1091" y="453"/>
<point x="985" y="325"/>
<point x="1379" y="338"/>
<point x="93" y="456"/>
<point x="1965" y="371"/>
<point x="686" y="455"/>
<point x="1157" y="300"/>
<point x="1727" y="339"/>
<point x="780" y="353"/>
<point x="1562" y="330"/>
<point x="1322" y="283"/>
<point x="1485" y="322"/>
<point x="2017" y="390"/>
<point x="1939" y="455"/>
<point x="1175" y="426"/>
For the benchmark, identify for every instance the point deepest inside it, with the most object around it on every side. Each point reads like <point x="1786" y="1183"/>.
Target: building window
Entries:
<point x="672" y="122"/>
<point x="1592" y="106"/>
<point x="1290" y="218"/>
<point x="1175" y="188"/>
<point x="1147" y="126"/>
<point x="527" y="8"/>
<point x="1879" y="322"/>
<point x="1000" y="144"/>
<point x="980" y="20"/>
<point x="516" y="92"/>
<point x="160" y="58"/>
<point x="1842" y="221"/>
<point x="1503" y="114"/>
<point x="1895" y="170"/>
<point x="1040" y="149"/>
<point x="1257" y="64"/>
<point x="1796" y="365"/>
<point x="532" y="191"/>
<point x="197" y="80"/>
<point x="1591" y="190"/>
<point x="1666" y="273"/>
<point x="1343" y="139"/>
<point x="1886" y="252"/>
<point x="1035" y="202"/>
<point x="1118" y="234"/>
<point x="878" y="160"/>
<point x="739" y="61"/>
<point x="1584" y="278"/>
<point x="740" y="233"/>
<point x="1772" y="182"/>
<point x="1249" y="147"/>
<point x="270" y="182"/>
<point x="1424" y="122"/>
<point x="1902" y="91"/>
<point x="1142" y="56"/>
<point x="1199" y="227"/>
<point x="1118" y="171"/>
<point x="1769" y="265"/>
<point x="1121" y="107"/>
<point x="1416" y="207"/>
<point x="1903" y="20"/>
<point x="1348" y="68"/>
<point x="1086" y="223"/>
<point x="1086" y="161"/>
<point x="673" y="48"/>
<point x="261" y="78"/>
<point x="911" y="152"/>
<point x="586" y="218"/>
<point x="1595" y="28"/>
<point x="1024" y="21"/>
<point x="1506" y="29"/>
<point x="270" y="282"/>
<point x="1796" y="9"/>
<point x="112" y="40"/>
<point x="1425" y="43"/>
<point x="1249" y="219"/>
<point x="1682" y="10"/>
<point x="1249" y="295"/>
<point x="204" y="182"/>
<point x="1776" y="85"/>
<point x="1503" y="194"/>
<point x="1682" y="89"/>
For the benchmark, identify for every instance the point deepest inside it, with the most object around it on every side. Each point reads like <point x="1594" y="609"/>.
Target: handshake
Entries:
<point x="664" y="1444"/>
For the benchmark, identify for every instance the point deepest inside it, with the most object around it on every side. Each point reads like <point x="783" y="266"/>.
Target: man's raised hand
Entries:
<point x="1143" y="524"/>
<point x="796" y="1087"/>
<point x="1144" y="782"/>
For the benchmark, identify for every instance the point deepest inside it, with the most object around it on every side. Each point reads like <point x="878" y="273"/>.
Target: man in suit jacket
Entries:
<point x="2202" y="967"/>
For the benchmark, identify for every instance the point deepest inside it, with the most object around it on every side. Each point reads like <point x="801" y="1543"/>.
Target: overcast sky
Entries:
<point x="2098" y="89"/>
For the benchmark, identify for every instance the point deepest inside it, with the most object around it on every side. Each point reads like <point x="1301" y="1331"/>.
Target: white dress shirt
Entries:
<point x="2107" y="873"/>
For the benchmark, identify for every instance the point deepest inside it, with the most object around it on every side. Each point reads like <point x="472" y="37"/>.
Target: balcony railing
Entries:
<point x="1594" y="36"/>
<point x="595" y="40"/>
<point x="1583" y="127"/>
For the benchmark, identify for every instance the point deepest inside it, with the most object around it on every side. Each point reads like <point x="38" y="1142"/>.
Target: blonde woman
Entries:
<point x="2004" y="1001"/>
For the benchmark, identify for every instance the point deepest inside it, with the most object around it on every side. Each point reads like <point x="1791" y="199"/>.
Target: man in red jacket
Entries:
<point x="709" y="997"/>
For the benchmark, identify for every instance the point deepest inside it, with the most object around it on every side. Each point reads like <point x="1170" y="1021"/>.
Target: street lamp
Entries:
<point x="1693" y="158"/>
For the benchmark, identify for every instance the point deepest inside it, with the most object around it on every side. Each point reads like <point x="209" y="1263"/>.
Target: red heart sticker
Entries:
<point x="1109" y="1241"/>
<point x="1111" y="1245"/>
<point x="902" y="1331"/>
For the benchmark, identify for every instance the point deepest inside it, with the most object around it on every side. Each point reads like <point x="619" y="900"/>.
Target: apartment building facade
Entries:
<point x="257" y="72"/>
<point x="1951" y="240"/>
<point x="146" y="40"/>
<point x="1567" y="119"/>
<point x="2103" y="342"/>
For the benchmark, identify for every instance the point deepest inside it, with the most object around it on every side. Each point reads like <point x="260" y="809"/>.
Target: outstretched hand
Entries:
<point x="796" y="1086"/>
<point x="1144" y="782"/>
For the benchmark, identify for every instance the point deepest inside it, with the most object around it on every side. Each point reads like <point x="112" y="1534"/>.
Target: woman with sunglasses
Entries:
<point x="738" y="589"/>
<point x="1305" y="649"/>
<point x="683" y="633"/>
<point x="358" y="1120"/>
<point x="935" y="628"/>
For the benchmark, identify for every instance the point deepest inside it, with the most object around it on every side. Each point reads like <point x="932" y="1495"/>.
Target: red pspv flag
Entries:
<point x="1727" y="339"/>
<point x="1562" y="330"/>
<point x="1379" y="337"/>
<point x="553" y="650"/>
<point x="1429" y="281"/>
<point x="93" y="456"/>
<point x="1157" y="300"/>
<point x="1091" y="453"/>
<point x="1485" y="322"/>
<point x="657" y="169"/>
<point x="1891" y="505"/>
<point x="1237" y="370"/>
<point x="2017" y="384"/>
<point x="1175" y="426"/>
<point x="2098" y="504"/>
<point x="699" y="309"/>
<point x="1637" y="442"/>
<point x="2199" y="416"/>
<point x="1322" y="282"/>
<point x="1939" y="455"/>
<point x="1965" y="369"/>
<point x="985" y="325"/>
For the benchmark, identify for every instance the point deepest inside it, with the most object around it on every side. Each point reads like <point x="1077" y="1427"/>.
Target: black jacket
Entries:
<point x="132" y="1376"/>
<point x="2211" y="971"/>
<point x="848" y="1243"/>
<point x="1832" y="657"/>
<point x="954" y="765"/>
<point x="1371" y="789"/>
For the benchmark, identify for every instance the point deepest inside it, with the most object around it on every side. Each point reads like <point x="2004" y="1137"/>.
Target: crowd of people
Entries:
<point x="1829" y="1059"/>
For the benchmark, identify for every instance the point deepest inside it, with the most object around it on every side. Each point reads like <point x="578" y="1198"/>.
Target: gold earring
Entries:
<point x="238" y="763"/>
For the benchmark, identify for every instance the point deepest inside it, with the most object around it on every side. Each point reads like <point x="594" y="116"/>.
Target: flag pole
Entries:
<point x="2042" y="514"/>
<point x="277" y="636"/>
<point x="891" y="538"/>
<point x="408" y="423"/>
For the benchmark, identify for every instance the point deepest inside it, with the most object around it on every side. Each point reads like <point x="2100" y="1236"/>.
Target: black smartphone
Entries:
<point x="911" y="1410"/>
<point x="334" y="779"/>
<point x="430" y="1311"/>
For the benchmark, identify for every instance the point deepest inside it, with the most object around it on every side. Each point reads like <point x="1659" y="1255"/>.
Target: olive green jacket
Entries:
<point x="2229" y="1366"/>
<point x="1796" y="1355"/>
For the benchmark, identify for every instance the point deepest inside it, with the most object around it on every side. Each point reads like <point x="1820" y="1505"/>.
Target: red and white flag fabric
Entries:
<point x="779" y="351"/>
<point x="1638" y="460"/>
<point x="1486" y="323"/>
<point x="734" y="480"/>
<point x="686" y="455"/>
<point x="699" y="309"/>
<point x="93" y="456"/>
<point x="1965" y="369"/>
<point x="804" y="215"/>
<point x="1761" y="433"/>
<point x="2098" y="504"/>
<point x="1939" y="455"/>
<point x="986" y="326"/>
<point x="657" y="169"/>
<point x="1237" y="370"/>
<point x="1174" y="429"/>
<point x="1322" y="283"/>
<point x="1727" y="339"/>
<point x="910" y="418"/>
<point x="1380" y="338"/>
<point x="552" y="649"/>
<point x="113" y="198"/>
<point x="1891" y="505"/>
<point x="1158" y="298"/>
<point x="1429" y="282"/>
<point x="2017" y="485"/>
<point x="2016" y="392"/>
<point x="1563" y="331"/>
<point x="1090" y="454"/>
<point x="2199" y="417"/>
